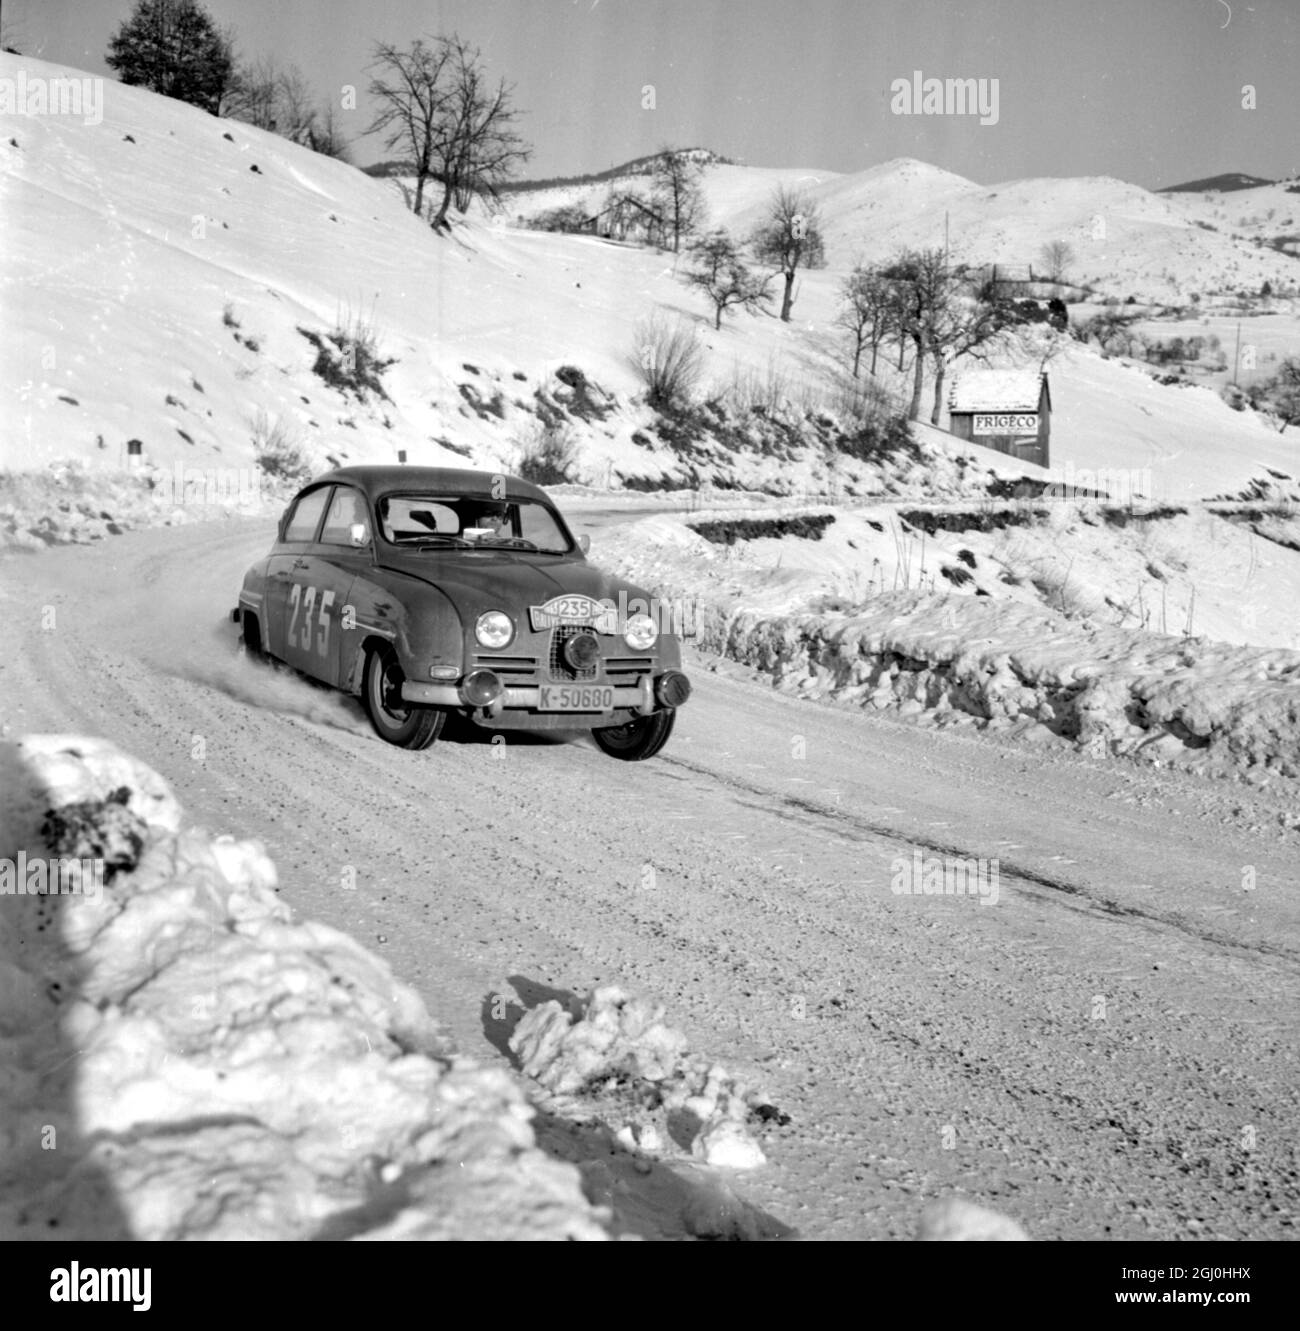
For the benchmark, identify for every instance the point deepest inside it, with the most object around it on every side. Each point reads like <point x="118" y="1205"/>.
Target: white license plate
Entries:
<point x="576" y="698"/>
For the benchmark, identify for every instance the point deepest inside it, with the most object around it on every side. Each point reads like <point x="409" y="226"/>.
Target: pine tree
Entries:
<point x="173" y="47"/>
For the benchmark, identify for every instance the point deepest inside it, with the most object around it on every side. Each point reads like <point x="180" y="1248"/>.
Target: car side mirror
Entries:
<point x="584" y="543"/>
<point x="359" y="534"/>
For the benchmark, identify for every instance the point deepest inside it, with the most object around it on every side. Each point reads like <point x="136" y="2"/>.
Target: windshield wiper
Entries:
<point x="429" y="541"/>
<point x="515" y="542"/>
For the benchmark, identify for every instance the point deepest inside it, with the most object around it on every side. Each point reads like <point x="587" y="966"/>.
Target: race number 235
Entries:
<point x="303" y="599"/>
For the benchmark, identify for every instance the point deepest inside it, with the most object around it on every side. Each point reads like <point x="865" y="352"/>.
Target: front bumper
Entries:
<point x="642" y="698"/>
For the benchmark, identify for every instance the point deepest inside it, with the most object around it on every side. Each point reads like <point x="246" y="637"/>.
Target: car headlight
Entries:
<point x="640" y="632"/>
<point x="494" y="629"/>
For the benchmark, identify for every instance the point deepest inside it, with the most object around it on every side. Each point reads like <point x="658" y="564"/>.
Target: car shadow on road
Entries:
<point x="648" y="1197"/>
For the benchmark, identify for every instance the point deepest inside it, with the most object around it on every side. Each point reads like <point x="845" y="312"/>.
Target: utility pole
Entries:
<point x="1236" y="355"/>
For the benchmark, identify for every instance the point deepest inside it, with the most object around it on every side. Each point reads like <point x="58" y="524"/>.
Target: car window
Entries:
<point x="405" y="518"/>
<point x="475" y="520"/>
<point x="306" y="514"/>
<point x="346" y="508"/>
<point x="537" y="524"/>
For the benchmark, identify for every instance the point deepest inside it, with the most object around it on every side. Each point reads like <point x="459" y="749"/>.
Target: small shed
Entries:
<point x="1010" y="410"/>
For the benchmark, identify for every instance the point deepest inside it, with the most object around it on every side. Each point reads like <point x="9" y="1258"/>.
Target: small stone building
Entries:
<point x="1010" y="410"/>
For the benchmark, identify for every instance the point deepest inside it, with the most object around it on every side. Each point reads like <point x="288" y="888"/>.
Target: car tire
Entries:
<point x="407" y="727"/>
<point x="250" y="639"/>
<point x="637" y="739"/>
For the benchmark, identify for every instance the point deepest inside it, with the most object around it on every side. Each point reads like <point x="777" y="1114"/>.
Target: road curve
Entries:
<point x="1109" y="1051"/>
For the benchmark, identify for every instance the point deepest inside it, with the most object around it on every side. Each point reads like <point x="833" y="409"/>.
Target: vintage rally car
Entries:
<point x="431" y="591"/>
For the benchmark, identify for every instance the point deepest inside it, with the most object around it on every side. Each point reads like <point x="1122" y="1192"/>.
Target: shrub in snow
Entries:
<point x="547" y="453"/>
<point x="179" y="1059"/>
<point x="348" y="358"/>
<point x="667" y="356"/>
<point x="277" y="452"/>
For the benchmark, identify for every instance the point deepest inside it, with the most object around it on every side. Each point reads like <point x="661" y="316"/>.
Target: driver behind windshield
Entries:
<point x="492" y="520"/>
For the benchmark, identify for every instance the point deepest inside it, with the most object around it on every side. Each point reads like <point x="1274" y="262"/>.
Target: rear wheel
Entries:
<point x="393" y="718"/>
<point x="637" y="739"/>
<point x="250" y="638"/>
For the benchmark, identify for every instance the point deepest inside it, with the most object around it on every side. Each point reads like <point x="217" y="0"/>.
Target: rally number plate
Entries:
<point x="576" y="698"/>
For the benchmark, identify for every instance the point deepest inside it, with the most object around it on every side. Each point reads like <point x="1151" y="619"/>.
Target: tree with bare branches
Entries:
<point x="719" y="271"/>
<point x="943" y="315"/>
<point x="867" y="313"/>
<point x="455" y="126"/>
<point x="677" y="196"/>
<point x="789" y="238"/>
<point x="1057" y="256"/>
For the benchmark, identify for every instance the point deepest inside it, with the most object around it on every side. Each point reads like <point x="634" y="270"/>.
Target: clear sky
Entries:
<point x="1149" y="91"/>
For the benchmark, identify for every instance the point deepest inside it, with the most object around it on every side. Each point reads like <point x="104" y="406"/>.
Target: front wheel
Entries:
<point x="407" y="727"/>
<point x="637" y="739"/>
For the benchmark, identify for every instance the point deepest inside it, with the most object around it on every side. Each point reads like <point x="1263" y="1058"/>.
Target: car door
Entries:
<point x="326" y="612"/>
<point x="286" y="565"/>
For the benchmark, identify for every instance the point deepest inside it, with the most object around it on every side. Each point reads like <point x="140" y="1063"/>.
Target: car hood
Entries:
<point x="512" y="577"/>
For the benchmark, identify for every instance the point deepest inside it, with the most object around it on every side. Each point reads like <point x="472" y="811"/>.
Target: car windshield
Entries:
<point x="471" y="522"/>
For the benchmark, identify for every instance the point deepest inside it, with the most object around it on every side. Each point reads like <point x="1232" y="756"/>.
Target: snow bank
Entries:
<point x="178" y="1059"/>
<point x="72" y="502"/>
<point x="1010" y="665"/>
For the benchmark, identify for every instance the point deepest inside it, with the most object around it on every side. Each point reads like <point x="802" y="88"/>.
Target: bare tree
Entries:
<point x="723" y="276"/>
<point x="327" y="137"/>
<point x="413" y="94"/>
<point x="277" y="98"/>
<point x="296" y="107"/>
<point x="1057" y="256"/>
<point x="478" y="147"/>
<point x="251" y="96"/>
<point x="677" y="195"/>
<point x="789" y="238"/>
<point x="943" y="315"/>
<point x="867" y="313"/>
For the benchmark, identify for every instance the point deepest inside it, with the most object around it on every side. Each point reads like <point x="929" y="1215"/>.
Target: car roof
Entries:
<point x="380" y="480"/>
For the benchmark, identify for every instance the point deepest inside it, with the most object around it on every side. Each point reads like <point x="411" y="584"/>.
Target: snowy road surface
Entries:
<point x="1108" y="1051"/>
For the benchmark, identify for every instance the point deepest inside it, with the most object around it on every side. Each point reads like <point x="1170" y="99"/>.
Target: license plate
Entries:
<point x="576" y="698"/>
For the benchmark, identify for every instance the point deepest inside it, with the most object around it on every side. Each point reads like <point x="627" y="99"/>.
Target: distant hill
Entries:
<point x="1222" y="184"/>
<point x="638" y="166"/>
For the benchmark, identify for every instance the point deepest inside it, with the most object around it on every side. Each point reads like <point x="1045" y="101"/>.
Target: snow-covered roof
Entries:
<point x="995" y="390"/>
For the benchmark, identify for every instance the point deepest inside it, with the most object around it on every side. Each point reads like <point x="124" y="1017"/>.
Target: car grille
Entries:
<point x="628" y="665"/>
<point x="523" y="670"/>
<point x="511" y="669"/>
<point x="557" y="666"/>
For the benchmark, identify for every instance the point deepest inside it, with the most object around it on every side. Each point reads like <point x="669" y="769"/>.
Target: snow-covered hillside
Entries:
<point x="169" y="278"/>
<point x="1126" y="240"/>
